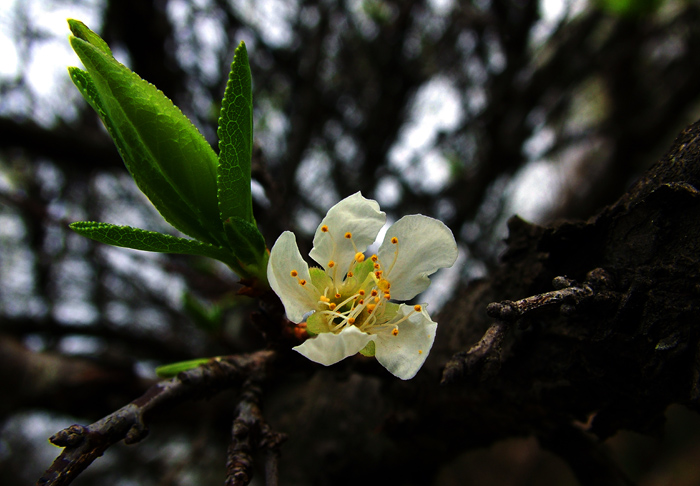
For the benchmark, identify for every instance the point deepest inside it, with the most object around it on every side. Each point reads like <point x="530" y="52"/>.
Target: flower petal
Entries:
<point x="328" y="348"/>
<point x="404" y="354"/>
<point x="285" y="258"/>
<point x="355" y="215"/>
<point x="424" y="246"/>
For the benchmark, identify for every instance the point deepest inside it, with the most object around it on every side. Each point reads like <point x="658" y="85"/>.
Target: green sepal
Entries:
<point x="362" y="270"/>
<point x="316" y="323"/>
<point x="391" y="310"/>
<point x="368" y="350"/>
<point x="245" y="241"/>
<point x="139" y="239"/>
<point x="170" y="370"/>
<point x="171" y="162"/>
<point x="320" y="279"/>
<point x="235" y="133"/>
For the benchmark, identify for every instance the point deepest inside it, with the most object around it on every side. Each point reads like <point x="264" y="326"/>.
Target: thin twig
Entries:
<point x="249" y="433"/>
<point x="485" y="356"/>
<point x="83" y="444"/>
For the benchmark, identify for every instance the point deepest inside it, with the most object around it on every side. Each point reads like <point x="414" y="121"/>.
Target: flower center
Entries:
<point x="358" y="295"/>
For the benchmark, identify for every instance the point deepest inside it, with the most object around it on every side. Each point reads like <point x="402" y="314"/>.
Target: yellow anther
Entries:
<point x="394" y="240"/>
<point x="374" y="292"/>
<point x="337" y="296"/>
<point x="348" y="235"/>
<point x="420" y="351"/>
<point x="395" y="331"/>
<point x="293" y="273"/>
<point x="324" y="229"/>
<point x="417" y="308"/>
<point x="359" y="257"/>
<point x="374" y="258"/>
<point x="351" y="320"/>
<point x="302" y="282"/>
<point x="361" y="302"/>
<point x="361" y="292"/>
<point x="371" y="307"/>
<point x="331" y="264"/>
<point x="387" y="296"/>
<point x="383" y="284"/>
<point x="377" y="299"/>
<point x="350" y="274"/>
<point x="378" y="274"/>
<point x="325" y="299"/>
<point x="331" y="306"/>
<point x="376" y="266"/>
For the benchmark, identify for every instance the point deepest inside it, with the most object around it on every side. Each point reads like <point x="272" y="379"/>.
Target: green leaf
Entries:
<point x="82" y="81"/>
<point x="139" y="239"/>
<point x="630" y="8"/>
<point x="169" y="159"/>
<point x="81" y="31"/>
<point x="206" y="317"/>
<point x="236" y="142"/>
<point x="170" y="370"/>
<point x="246" y="241"/>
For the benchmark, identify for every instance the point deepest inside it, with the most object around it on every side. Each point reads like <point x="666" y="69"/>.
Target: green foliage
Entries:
<point x="201" y="194"/>
<point x="139" y="239"/>
<point x="629" y="8"/>
<point x="236" y="141"/>
<point x="170" y="370"/>
<point x="206" y="317"/>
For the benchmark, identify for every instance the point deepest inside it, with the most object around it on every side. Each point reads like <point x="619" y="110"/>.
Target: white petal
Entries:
<point x="285" y="257"/>
<point x="425" y="245"/>
<point x="404" y="354"/>
<point x="328" y="348"/>
<point x="355" y="214"/>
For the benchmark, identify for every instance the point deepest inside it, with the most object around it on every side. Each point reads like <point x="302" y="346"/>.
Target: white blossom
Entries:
<point x="348" y="302"/>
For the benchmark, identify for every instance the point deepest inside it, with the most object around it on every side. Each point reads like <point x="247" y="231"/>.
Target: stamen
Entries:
<point x="323" y="298"/>
<point x="350" y="274"/>
<point x="324" y="229"/>
<point x="361" y="302"/>
<point x="370" y="307"/>
<point x="337" y="296"/>
<point x="374" y="292"/>
<point x="417" y="308"/>
<point x="420" y="351"/>
<point x="348" y="235"/>
<point x="387" y="296"/>
<point x="395" y="332"/>
<point x="377" y="266"/>
<point x="359" y="257"/>
<point x="302" y="282"/>
<point x="331" y="264"/>
<point x="377" y="299"/>
<point x="361" y="292"/>
<point x="351" y="320"/>
<point x="293" y="273"/>
<point x="378" y="274"/>
<point x="394" y="240"/>
<point x="331" y="306"/>
<point x="374" y="258"/>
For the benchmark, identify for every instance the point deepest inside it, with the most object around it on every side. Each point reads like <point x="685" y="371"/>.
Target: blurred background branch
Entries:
<point x="470" y="112"/>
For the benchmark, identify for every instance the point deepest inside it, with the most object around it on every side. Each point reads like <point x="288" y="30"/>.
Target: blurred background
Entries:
<point x="469" y="112"/>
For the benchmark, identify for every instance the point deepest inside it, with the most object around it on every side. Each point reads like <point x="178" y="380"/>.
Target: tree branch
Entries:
<point x="83" y="444"/>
